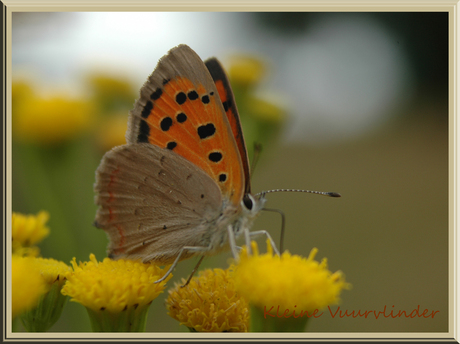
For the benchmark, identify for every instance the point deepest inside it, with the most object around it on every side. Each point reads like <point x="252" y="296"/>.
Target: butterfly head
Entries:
<point x="253" y="204"/>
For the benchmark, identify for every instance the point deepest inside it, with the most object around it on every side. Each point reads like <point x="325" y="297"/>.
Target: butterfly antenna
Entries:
<point x="330" y="194"/>
<point x="256" y="156"/>
<point x="283" y="218"/>
<point x="283" y="221"/>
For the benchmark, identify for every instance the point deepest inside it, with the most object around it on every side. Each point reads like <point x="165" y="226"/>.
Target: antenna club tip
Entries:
<point x="334" y="194"/>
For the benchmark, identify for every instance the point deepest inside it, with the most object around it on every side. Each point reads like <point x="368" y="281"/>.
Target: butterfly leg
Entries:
<point x="272" y="243"/>
<point x="193" y="272"/>
<point x="248" y="240"/>
<point x="185" y="248"/>
<point x="232" y="242"/>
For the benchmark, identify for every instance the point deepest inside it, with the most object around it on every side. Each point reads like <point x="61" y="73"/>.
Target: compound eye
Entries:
<point x="248" y="202"/>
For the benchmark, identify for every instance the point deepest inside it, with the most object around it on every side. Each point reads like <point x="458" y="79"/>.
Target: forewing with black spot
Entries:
<point x="180" y="109"/>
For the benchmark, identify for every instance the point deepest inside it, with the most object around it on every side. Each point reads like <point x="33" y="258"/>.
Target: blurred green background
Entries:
<point x="355" y="103"/>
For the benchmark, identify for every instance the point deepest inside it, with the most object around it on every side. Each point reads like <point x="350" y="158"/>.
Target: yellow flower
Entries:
<point x="53" y="270"/>
<point x="50" y="120"/>
<point x="20" y="90"/>
<point x="266" y="111"/>
<point x="50" y="305"/>
<point x="111" y="93"/>
<point x="28" y="230"/>
<point x="114" y="131"/>
<point x="290" y="281"/>
<point x="109" y="86"/>
<point x="246" y="70"/>
<point x="116" y="293"/>
<point x="113" y="285"/>
<point x="209" y="303"/>
<point x="27" y="284"/>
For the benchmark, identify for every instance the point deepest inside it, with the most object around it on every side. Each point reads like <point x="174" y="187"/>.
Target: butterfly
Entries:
<point x="180" y="187"/>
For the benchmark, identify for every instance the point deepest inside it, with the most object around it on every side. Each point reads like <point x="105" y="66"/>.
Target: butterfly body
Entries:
<point x="180" y="186"/>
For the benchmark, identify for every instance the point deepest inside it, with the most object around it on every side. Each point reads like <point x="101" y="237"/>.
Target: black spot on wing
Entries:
<point x="226" y="105"/>
<point x="157" y="94"/>
<point x="181" y="118"/>
<point x="181" y="98"/>
<point x="215" y="156"/>
<point x="147" y="109"/>
<point x="144" y="132"/>
<point x="192" y="95"/>
<point x="205" y="131"/>
<point x="205" y="99"/>
<point x="171" y="145"/>
<point x="166" y="123"/>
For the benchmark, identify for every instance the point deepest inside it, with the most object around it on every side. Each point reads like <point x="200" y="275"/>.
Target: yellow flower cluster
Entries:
<point x="113" y="285"/>
<point x="27" y="230"/>
<point x="289" y="281"/>
<point x="209" y="303"/>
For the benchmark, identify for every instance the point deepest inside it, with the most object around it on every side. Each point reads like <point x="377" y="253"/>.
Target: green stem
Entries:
<point x="129" y="320"/>
<point x="48" y="311"/>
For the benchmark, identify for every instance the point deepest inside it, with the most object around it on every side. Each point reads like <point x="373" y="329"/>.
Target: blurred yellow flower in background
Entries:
<point x="262" y="116"/>
<point x="20" y="90"/>
<point x="48" y="120"/>
<point x="267" y="112"/>
<point x="28" y="230"/>
<point x="246" y="70"/>
<point x="111" y="93"/>
<point x="114" y="131"/>
<point x="114" y="97"/>
<point x="209" y="303"/>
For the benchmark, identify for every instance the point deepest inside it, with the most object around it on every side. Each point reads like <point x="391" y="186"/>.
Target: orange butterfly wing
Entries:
<point x="180" y="109"/>
<point x="228" y="101"/>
